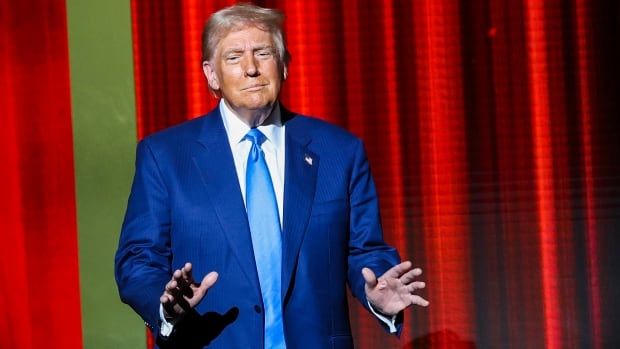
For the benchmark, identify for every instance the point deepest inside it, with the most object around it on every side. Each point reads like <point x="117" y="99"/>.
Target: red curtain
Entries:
<point x="491" y="127"/>
<point x="39" y="295"/>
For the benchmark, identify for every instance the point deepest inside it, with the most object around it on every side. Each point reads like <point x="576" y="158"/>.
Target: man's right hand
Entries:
<point x="182" y="293"/>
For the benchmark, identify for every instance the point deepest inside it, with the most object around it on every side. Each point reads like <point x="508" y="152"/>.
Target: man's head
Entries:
<point x="245" y="15"/>
<point x="244" y="55"/>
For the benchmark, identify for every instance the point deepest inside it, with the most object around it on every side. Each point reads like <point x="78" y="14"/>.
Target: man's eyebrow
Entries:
<point x="232" y="50"/>
<point x="262" y="47"/>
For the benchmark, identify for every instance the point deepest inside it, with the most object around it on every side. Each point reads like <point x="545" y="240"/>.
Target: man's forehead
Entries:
<point x="246" y="37"/>
<point x="246" y="31"/>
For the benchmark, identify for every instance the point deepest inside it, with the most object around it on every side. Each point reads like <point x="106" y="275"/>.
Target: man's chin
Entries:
<point x="258" y="105"/>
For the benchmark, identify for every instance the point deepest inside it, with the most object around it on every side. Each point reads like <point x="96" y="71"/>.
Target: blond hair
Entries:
<point x="240" y="16"/>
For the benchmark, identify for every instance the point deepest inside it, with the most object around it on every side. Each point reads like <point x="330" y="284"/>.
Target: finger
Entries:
<point x="177" y="277"/>
<point x="177" y="274"/>
<point x="171" y="288"/>
<point x="369" y="277"/>
<point x="177" y="287"/>
<point x="208" y="281"/>
<point x="418" y="285"/>
<point x="398" y="270"/>
<point x="168" y="306"/>
<point x="184" y="279"/>
<point x="410" y="275"/>
<point x="181" y="277"/>
<point x="415" y="299"/>
<point x="186" y="273"/>
<point x="166" y="298"/>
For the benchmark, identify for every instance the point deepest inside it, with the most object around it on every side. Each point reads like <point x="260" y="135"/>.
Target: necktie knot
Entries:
<point x="256" y="137"/>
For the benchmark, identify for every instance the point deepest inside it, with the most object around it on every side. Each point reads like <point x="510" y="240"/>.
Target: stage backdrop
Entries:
<point x="492" y="132"/>
<point x="491" y="126"/>
<point x="39" y="283"/>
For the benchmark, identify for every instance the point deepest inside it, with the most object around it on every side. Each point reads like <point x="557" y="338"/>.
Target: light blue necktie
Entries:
<point x="264" y="222"/>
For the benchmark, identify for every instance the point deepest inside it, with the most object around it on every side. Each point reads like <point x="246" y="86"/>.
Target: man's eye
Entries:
<point x="232" y="59"/>
<point x="263" y="53"/>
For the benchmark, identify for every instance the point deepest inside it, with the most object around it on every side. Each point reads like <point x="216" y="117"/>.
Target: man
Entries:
<point x="271" y="211"/>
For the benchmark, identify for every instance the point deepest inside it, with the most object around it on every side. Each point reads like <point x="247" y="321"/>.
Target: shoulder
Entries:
<point x="320" y="131"/>
<point x="177" y="143"/>
<point x="186" y="132"/>
<point x="178" y="133"/>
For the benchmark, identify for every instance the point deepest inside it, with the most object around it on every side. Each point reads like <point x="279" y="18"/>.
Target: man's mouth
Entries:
<point x="254" y="87"/>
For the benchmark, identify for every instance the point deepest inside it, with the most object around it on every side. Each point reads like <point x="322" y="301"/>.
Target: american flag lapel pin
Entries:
<point x="308" y="159"/>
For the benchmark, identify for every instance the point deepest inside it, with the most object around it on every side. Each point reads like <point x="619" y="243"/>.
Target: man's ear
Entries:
<point x="211" y="76"/>
<point x="284" y="72"/>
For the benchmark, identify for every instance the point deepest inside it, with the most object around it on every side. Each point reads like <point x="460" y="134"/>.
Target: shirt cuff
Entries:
<point x="390" y="321"/>
<point x="165" y="329"/>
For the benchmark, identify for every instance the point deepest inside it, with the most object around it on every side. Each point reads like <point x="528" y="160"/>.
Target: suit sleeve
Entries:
<point x="366" y="245"/>
<point x="142" y="262"/>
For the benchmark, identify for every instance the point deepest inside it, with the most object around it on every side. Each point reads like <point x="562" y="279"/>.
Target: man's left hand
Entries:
<point x="394" y="290"/>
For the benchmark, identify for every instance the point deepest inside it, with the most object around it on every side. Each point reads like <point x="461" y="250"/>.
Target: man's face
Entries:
<point x="245" y="70"/>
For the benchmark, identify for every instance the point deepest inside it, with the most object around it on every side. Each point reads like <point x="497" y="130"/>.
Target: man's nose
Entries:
<point x="251" y="68"/>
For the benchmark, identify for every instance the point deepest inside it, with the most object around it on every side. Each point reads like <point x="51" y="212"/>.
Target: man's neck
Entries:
<point x="253" y="117"/>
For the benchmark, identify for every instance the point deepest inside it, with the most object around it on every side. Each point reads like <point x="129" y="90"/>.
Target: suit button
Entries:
<point x="257" y="309"/>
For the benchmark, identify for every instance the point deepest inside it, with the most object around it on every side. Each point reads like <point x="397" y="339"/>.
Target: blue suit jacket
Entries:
<point x="186" y="206"/>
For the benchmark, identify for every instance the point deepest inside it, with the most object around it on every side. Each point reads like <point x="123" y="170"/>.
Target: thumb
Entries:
<point x="209" y="280"/>
<point x="369" y="277"/>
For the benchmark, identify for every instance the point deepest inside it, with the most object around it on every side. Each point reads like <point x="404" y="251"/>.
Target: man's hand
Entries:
<point x="182" y="293"/>
<point x="393" y="291"/>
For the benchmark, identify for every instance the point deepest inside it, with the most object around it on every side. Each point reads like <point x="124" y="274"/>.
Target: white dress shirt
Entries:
<point x="273" y="148"/>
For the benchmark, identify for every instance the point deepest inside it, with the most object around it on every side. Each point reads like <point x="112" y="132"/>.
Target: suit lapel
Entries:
<point x="217" y="168"/>
<point x="299" y="185"/>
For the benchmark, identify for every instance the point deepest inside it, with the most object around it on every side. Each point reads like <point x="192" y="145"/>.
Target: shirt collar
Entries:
<point x="237" y="129"/>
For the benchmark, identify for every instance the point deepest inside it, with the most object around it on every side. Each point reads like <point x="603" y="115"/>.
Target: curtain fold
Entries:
<point x="39" y="295"/>
<point x="490" y="127"/>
